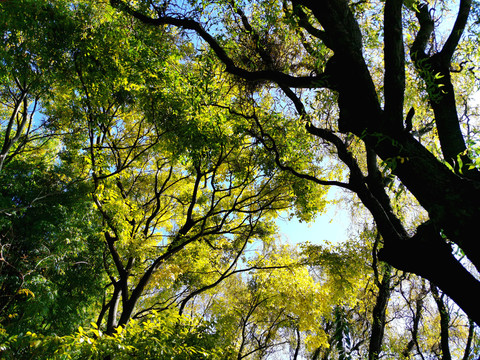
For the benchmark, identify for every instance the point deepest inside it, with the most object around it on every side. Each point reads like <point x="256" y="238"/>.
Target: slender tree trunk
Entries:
<point x="379" y="315"/>
<point x="444" y="322"/>
<point x="297" y="347"/>
<point x="417" y="315"/>
<point x="113" y="309"/>
<point x="468" y="346"/>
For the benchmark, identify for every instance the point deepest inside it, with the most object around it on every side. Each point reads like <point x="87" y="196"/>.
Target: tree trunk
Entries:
<point x="379" y="315"/>
<point x="444" y="323"/>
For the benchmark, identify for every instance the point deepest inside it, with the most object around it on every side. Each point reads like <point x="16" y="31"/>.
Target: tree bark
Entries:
<point x="379" y="315"/>
<point x="416" y="317"/>
<point x="444" y="322"/>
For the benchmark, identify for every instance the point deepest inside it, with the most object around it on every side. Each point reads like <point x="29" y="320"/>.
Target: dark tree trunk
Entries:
<point x="471" y="330"/>
<point x="444" y="322"/>
<point x="379" y="315"/>
<point x="416" y="317"/>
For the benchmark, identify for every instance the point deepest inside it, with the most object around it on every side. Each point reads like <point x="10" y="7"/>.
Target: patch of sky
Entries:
<point x="331" y="226"/>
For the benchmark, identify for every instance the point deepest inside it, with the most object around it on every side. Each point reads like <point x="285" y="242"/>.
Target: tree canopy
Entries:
<point x="147" y="149"/>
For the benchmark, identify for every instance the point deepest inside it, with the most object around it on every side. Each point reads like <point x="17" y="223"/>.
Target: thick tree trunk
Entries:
<point x="451" y="200"/>
<point x="428" y="256"/>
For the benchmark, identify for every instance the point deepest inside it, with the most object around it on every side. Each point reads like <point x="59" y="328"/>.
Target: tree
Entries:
<point x="178" y="189"/>
<point x="49" y="274"/>
<point x="175" y="178"/>
<point x="34" y="46"/>
<point x="360" y="86"/>
<point x="47" y="227"/>
<point x="140" y="180"/>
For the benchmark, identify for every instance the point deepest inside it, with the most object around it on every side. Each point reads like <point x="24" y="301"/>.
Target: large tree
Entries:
<point x="178" y="185"/>
<point x="379" y="84"/>
<point x="136" y="167"/>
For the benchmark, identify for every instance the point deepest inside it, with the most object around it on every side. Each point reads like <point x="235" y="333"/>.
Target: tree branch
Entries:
<point x="457" y="31"/>
<point x="189" y="24"/>
<point x="394" y="78"/>
<point x="417" y="51"/>
<point x="305" y="23"/>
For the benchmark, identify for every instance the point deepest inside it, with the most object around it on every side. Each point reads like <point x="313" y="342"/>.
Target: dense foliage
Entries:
<point x="148" y="148"/>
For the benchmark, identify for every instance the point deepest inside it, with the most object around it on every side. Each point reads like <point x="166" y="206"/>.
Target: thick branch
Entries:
<point x="113" y="309"/>
<point x="394" y="83"/>
<point x="305" y="23"/>
<point x="435" y="71"/>
<point x="349" y="73"/>
<point x="429" y="256"/>
<point x="189" y="24"/>
<point x="419" y="45"/>
<point x="115" y="256"/>
<point x="457" y="31"/>
<point x="370" y="190"/>
<point x="342" y="33"/>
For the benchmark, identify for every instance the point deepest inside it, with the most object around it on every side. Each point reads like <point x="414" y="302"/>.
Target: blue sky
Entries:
<point x="332" y="226"/>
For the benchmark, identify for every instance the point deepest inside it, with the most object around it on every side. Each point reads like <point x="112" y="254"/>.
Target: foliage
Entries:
<point x="157" y="336"/>
<point x="48" y="248"/>
<point x="147" y="149"/>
